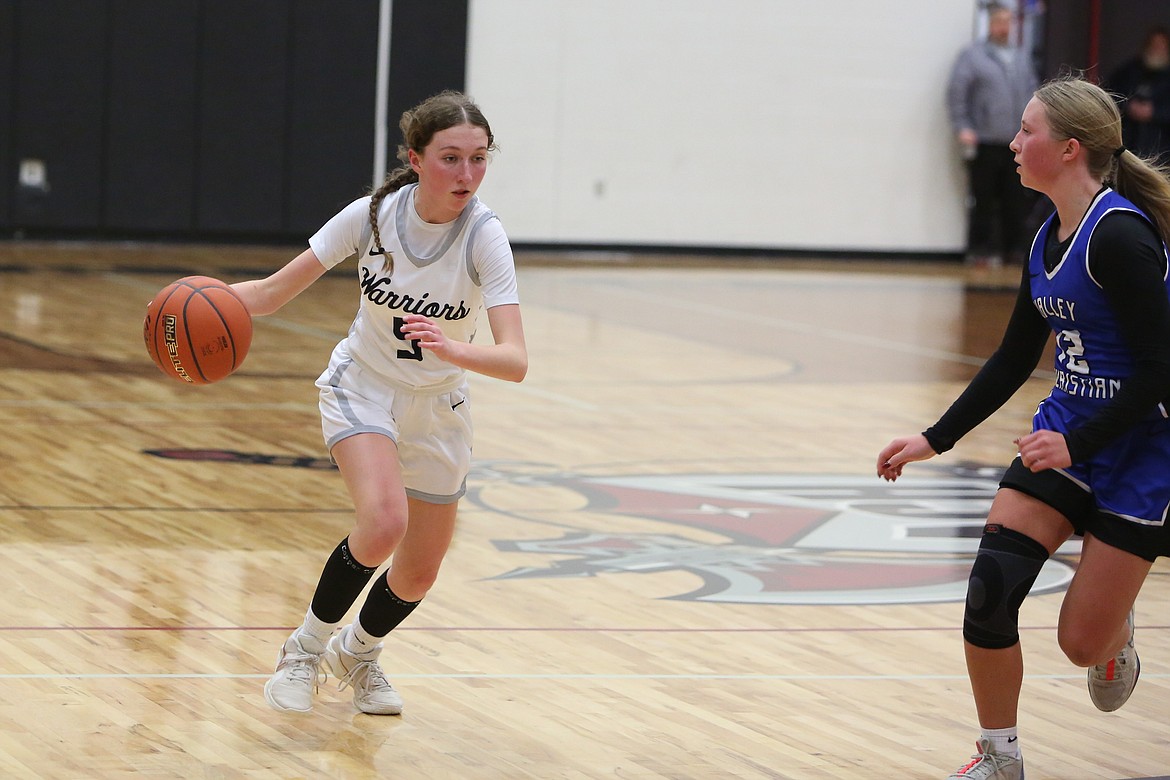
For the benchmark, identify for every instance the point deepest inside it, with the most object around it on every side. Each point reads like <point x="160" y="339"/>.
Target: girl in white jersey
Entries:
<point x="1097" y="460"/>
<point x="394" y="408"/>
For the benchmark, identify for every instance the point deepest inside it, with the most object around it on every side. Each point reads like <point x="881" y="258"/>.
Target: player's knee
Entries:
<point x="1080" y="650"/>
<point x="413" y="582"/>
<point x="383" y="525"/>
<point x="1005" y="568"/>
<point x="1083" y="643"/>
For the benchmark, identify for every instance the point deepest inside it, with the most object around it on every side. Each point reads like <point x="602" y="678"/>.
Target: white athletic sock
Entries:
<point x="359" y="641"/>
<point x="1005" y="741"/>
<point x="317" y="628"/>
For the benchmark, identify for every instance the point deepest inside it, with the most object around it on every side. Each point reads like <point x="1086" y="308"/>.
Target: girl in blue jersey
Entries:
<point x="394" y="407"/>
<point x="1097" y="461"/>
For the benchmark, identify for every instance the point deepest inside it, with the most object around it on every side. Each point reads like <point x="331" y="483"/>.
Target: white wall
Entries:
<point x="784" y="124"/>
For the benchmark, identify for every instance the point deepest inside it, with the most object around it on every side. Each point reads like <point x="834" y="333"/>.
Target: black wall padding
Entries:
<point x="60" y="110"/>
<point x="242" y="130"/>
<point x="150" y="148"/>
<point x="7" y="68"/>
<point x="205" y="119"/>
<point x="426" y="36"/>
<point x="331" y="109"/>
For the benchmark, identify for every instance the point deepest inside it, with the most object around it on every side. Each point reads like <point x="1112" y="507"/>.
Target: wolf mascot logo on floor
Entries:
<point x="786" y="538"/>
<point x="790" y="539"/>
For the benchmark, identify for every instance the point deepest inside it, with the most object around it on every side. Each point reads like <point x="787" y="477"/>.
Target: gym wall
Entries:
<point x="779" y="125"/>
<point x="203" y="119"/>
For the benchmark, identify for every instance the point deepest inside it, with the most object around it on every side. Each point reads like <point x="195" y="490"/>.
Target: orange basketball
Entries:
<point x="197" y="330"/>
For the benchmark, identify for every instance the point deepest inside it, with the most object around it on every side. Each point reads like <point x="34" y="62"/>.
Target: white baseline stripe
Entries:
<point x="469" y="676"/>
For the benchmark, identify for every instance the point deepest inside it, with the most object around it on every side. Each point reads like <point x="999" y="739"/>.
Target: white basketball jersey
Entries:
<point x="448" y="273"/>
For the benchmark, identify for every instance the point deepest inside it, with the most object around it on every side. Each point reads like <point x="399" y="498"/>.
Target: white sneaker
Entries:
<point x="1111" y="684"/>
<point x="990" y="765"/>
<point x="372" y="692"/>
<point x="292" y="685"/>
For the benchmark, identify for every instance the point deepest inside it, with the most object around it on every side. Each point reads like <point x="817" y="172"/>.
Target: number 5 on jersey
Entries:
<point x="415" y="351"/>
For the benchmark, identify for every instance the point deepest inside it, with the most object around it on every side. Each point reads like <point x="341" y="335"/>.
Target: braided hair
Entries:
<point x="418" y="125"/>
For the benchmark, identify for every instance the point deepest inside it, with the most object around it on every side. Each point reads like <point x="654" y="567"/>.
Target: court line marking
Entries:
<point x="535" y="392"/>
<point x="168" y="510"/>
<point x="548" y="395"/>
<point x="555" y="676"/>
<point x="330" y="336"/>
<point x="556" y="629"/>
<point x="324" y="334"/>
<point x="48" y="403"/>
<point x="814" y="329"/>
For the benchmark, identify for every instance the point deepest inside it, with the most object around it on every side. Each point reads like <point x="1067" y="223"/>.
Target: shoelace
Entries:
<point x="993" y="760"/>
<point x="1107" y="672"/>
<point x="304" y="668"/>
<point x="375" y="678"/>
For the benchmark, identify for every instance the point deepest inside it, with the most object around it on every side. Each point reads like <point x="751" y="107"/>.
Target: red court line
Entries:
<point x="549" y="629"/>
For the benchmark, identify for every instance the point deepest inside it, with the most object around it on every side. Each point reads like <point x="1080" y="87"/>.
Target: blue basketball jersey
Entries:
<point x="1129" y="478"/>
<point x="1092" y="357"/>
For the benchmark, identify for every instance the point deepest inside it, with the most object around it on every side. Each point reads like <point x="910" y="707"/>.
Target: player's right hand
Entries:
<point x="899" y="452"/>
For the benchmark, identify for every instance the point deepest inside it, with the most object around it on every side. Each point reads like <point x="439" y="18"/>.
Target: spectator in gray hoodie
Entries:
<point x="991" y="82"/>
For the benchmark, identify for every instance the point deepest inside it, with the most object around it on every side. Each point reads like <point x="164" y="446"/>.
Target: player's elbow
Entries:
<point x="517" y="367"/>
<point x="257" y="296"/>
<point x="519" y="370"/>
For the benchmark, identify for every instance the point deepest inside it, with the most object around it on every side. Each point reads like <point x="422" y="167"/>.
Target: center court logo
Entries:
<point x="785" y="539"/>
<point x="789" y="539"/>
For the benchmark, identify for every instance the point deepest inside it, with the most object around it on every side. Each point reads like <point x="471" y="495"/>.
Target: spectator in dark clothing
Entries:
<point x="1142" y="86"/>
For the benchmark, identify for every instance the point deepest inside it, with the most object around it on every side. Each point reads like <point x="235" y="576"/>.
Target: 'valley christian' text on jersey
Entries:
<point x="448" y="272"/>
<point x="1092" y="357"/>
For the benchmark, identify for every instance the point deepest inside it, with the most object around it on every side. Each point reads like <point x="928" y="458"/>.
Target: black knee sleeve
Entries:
<point x="1005" y="568"/>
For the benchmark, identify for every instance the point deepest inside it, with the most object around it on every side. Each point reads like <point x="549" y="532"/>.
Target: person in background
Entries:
<point x="990" y="83"/>
<point x="1142" y="87"/>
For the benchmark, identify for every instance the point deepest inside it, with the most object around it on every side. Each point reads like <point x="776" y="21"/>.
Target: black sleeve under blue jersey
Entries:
<point x="1000" y="377"/>
<point x="1127" y="259"/>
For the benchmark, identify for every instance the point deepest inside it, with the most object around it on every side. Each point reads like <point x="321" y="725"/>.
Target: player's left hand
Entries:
<point x="1044" y="450"/>
<point x="424" y="332"/>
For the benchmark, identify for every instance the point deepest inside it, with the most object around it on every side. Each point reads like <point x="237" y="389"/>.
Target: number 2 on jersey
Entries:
<point x="1072" y="349"/>
<point x="415" y="351"/>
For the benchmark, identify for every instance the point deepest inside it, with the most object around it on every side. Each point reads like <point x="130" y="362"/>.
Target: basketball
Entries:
<point x="197" y="330"/>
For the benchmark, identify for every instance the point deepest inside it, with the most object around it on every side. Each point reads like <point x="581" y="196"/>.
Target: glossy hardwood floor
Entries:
<point x="674" y="560"/>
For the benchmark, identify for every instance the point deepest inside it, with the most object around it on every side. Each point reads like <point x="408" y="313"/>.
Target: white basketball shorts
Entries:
<point x="432" y="431"/>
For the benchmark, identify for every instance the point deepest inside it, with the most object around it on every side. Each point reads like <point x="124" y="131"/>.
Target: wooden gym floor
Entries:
<point x="674" y="559"/>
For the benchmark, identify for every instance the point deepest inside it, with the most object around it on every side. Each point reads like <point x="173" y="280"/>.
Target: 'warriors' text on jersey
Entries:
<point x="448" y="272"/>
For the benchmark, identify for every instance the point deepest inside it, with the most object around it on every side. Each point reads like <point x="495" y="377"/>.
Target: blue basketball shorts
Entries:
<point x="1121" y="494"/>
